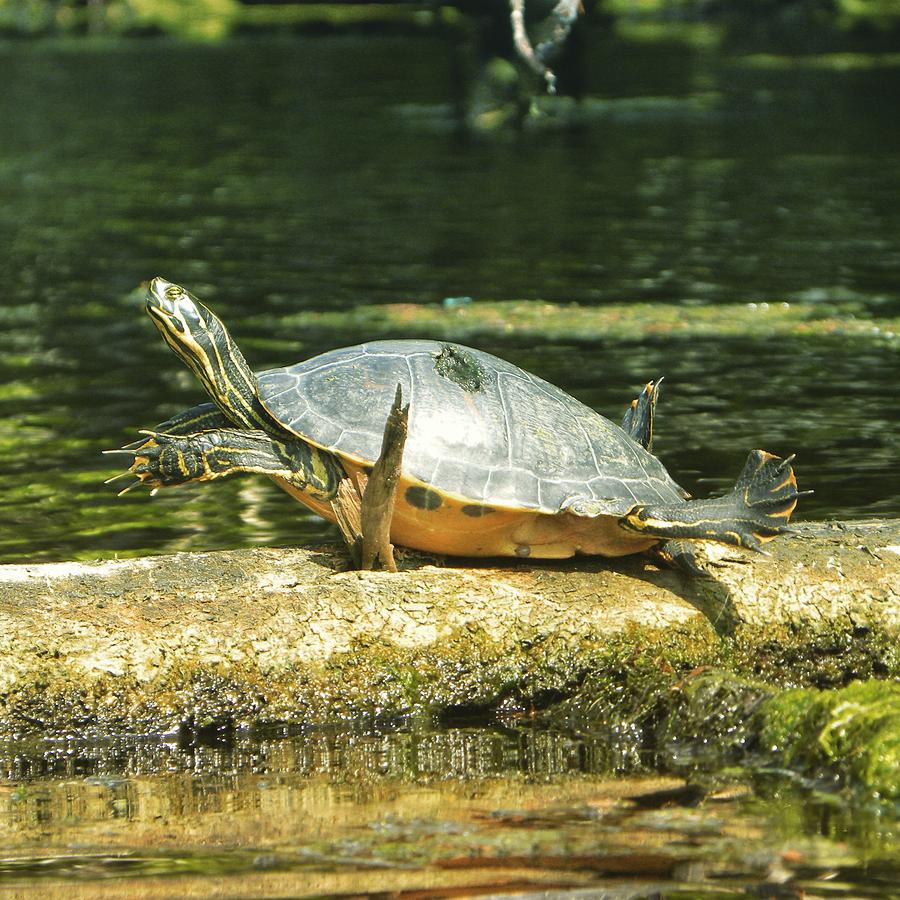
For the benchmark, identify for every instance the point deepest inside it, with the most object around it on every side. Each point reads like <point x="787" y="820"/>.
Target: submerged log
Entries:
<point x="255" y="635"/>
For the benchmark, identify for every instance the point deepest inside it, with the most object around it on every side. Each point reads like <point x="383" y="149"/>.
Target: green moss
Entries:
<point x="711" y="715"/>
<point x="852" y="734"/>
<point x="640" y="696"/>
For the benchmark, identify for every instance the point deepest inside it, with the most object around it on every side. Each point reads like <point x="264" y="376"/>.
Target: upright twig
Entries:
<point x="364" y="510"/>
<point x="377" y="508"/>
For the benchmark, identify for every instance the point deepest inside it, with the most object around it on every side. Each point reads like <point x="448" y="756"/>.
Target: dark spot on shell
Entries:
<point x="423" y="498"/>
<point x="523" y="550"/>
<point x="476" y="511"/>
<point x="456" y="364"/>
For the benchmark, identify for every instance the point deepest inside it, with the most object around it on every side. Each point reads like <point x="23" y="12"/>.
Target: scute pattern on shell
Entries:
<point x="516" y="441"/>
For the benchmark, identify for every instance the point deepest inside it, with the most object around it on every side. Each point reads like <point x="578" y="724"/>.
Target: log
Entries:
<point x="267" y="635"/>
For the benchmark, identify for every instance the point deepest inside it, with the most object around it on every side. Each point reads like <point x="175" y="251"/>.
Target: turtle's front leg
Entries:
<point x="165" y="460"/>
<point x="204" y="417"/>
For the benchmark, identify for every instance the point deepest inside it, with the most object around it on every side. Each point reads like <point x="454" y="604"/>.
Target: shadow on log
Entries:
<point x="289" y="635"/>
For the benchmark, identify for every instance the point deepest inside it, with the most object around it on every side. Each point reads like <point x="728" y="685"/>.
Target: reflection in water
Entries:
<point x="273" y="177"/>
<point x="471" y="808"/>
<point x="351" y="755"/>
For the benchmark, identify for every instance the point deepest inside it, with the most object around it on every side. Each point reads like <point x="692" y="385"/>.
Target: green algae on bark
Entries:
<point x="829" y="655"/>
<point x="622" y="322"/>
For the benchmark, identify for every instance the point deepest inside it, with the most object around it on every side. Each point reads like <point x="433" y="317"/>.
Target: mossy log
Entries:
<point x="292" y="635"/>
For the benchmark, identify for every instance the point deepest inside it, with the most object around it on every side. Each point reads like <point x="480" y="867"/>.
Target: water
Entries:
<point x="276" y="177"/>
<point x="462" y="810"/>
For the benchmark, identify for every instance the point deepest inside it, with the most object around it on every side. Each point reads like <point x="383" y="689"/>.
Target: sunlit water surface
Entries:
<point x="445" y="812"/>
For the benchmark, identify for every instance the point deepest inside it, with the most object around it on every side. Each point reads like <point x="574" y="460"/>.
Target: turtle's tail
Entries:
<point x="756" y="510"/>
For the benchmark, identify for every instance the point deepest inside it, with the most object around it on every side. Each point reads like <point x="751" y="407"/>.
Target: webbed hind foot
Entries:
<point x="756" y="510"/>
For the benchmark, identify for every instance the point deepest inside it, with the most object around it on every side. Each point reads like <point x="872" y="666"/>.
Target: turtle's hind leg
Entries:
<point x="755" y="511"/>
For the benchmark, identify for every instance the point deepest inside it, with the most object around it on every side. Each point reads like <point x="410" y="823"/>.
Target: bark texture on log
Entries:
<point x="130" y="632"/>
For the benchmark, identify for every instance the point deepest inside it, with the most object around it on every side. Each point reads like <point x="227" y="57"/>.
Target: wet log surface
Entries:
<point x="260" y="634"/>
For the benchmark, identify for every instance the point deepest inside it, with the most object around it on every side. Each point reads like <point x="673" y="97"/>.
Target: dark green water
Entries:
<point x="324" y="174"/>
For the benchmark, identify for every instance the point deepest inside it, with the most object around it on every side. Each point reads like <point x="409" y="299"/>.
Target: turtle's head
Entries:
<point x="186" y="324"/>
<point x="202" y="341"/>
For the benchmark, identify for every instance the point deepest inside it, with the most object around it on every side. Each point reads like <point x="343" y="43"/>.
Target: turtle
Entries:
<point x="497" y="461"/>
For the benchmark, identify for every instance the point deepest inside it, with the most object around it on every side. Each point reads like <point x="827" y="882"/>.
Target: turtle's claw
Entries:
<point x="116" y="477"/>
<point x="144" y="466"/>
<point x="162" y="461"/>
<point x="130" y="487"/>
<point x="128" y="448"/>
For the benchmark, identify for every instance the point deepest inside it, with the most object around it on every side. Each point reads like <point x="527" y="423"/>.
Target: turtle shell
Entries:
<point x="481" y="430"/>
